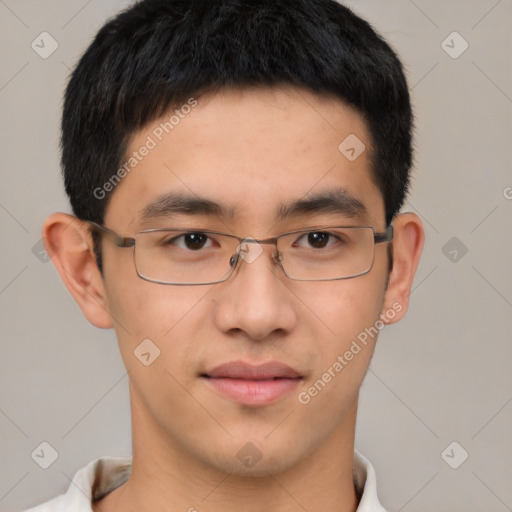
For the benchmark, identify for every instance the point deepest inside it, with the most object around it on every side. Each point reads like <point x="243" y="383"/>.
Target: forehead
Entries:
<point x="251" y="154"/>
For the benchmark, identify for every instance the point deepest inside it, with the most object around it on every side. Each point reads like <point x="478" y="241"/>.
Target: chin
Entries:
<point x="251" y="460"/>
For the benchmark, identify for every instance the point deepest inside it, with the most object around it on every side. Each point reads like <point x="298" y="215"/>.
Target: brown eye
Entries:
<point x="318" y="240"/>
<point x="191" y="241"/>
<point x="195" y="240"/>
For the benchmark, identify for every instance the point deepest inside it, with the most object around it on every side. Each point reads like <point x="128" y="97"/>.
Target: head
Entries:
<point x="246" y="105"/>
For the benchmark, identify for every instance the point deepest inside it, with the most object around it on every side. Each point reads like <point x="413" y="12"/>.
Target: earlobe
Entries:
<point x="69" y="245"/>
<point x="408" y="241"/>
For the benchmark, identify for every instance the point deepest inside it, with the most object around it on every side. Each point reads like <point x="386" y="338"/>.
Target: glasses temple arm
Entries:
<point x="120" y="241"/>
<point x="387" y="236"/>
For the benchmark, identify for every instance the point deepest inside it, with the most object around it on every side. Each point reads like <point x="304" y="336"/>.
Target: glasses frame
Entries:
<point x="124" y="242"/>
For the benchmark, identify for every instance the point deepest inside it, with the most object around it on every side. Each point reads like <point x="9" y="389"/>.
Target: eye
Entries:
<point x="318" y="239"/>
<point x="192" y="241"/>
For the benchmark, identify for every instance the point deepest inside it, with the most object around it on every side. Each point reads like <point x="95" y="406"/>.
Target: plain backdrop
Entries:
<point x="439" y="386"/>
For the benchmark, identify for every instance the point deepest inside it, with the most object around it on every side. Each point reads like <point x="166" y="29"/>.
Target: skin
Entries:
<point x="251" y="148"/>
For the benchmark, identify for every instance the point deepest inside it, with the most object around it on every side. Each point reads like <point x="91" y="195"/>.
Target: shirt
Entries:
<point x="105" y="474"/>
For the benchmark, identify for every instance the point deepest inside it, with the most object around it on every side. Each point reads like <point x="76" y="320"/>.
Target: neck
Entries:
<point x="166" y="477"/>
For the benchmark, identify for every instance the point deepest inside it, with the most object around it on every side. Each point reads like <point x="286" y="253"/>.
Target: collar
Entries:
<point x="103" y="475"/>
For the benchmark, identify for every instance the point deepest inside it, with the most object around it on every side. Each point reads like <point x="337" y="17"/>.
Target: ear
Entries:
<point x="68" y="242"/>
<point x="408" y="240"/>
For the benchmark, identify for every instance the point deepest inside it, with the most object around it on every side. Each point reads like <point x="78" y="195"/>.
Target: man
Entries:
<point x="236" y="170"/>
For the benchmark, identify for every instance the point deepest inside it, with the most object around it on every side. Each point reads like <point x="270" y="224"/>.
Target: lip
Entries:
<point x="254" y="385"/>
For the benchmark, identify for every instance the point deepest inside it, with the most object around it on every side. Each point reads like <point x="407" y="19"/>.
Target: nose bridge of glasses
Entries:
<point x="249" y="249"/>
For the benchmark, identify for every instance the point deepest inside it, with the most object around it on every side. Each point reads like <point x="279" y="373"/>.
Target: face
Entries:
<point x="250" y="151"/>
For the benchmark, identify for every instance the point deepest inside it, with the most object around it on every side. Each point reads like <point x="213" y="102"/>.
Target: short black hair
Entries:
<point x="156" y="54"/>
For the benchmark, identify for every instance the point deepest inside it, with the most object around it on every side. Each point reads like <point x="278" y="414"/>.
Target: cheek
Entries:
<point x="145" y="309"/>
<point x="163" y="314"/>
<point x="158" y="345"/>
<point x="343" y="309"/>
<point x="345" y="313"/>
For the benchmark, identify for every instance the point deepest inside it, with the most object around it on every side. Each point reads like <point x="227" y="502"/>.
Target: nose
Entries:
<point x="255" y="299"/>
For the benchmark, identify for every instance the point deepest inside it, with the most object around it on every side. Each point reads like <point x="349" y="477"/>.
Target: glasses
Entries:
<point x="201" y="256"/>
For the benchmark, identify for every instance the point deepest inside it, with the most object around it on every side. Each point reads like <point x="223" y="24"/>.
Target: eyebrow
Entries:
<point x="173" y="203"/>
<point x="337" y="201"/>
<point x="334" y="201"/>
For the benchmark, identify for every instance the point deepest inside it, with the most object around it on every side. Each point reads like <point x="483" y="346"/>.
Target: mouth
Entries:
<point x="253" y="385"/>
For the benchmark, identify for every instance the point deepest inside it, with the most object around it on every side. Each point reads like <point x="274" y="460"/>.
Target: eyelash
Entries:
<point x="331" y="235"/>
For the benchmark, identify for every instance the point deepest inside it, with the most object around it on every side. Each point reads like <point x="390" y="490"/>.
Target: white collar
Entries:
<point x="105" y="474"/>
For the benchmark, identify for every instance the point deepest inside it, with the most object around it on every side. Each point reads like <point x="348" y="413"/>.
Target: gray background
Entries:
<point x="439" y="376"/>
